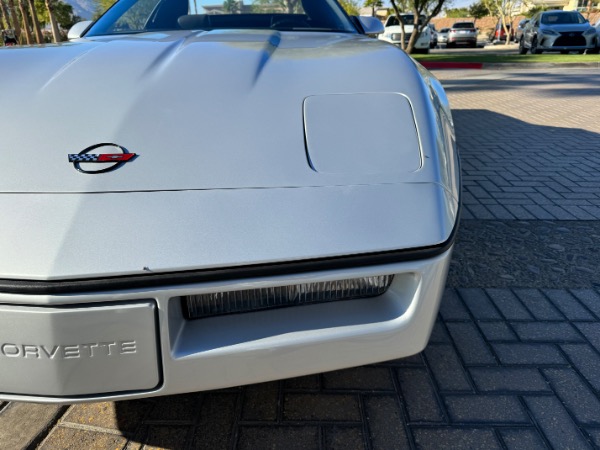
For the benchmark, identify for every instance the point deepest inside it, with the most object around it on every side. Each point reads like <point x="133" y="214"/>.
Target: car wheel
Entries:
<point x="581" y="52"/>
<point x="534" y="49"/>
<point x="564" y="52"/>
<point x="593" y="51"/>
<point x="522" y="48"/>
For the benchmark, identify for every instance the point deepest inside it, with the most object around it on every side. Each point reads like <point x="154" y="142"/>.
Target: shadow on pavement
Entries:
<point x="536" y="194"/>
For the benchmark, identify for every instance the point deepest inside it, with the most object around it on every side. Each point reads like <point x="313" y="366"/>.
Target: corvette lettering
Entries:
<point x="88" y="350"/>
<point x="114" y="160"/>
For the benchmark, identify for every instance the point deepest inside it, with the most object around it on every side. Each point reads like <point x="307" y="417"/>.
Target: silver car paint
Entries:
<point x="462" y="35"/>
<point x="383" y="154"/>
<point x="196" y="151"/>
<point x="70" y="236"/>
<point x="443" y="35"/>
<point x="223" y="180"/>
<point x="189" y="122"/>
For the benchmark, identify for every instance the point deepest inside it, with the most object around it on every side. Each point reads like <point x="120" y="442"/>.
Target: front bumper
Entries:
<point x="564" y="48"/>
<point x="462" y="39"/>
<point x="157" y="351"/>
<point x="566" y="42"/>
<point x="421" y="43"/>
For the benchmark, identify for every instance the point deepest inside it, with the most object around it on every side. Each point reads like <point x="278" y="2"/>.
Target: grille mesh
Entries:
<point x="565" y="40"/>
<point x="229" y="302"/>
<point x="398" y="36"/>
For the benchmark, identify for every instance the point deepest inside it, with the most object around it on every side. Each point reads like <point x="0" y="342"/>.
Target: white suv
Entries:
<point x="393" y="32"/>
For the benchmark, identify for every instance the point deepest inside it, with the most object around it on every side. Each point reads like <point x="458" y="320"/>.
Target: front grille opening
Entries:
<point x="565" y="40"/>
<point x="398" y="36"/>
<point x="249" y="300"/>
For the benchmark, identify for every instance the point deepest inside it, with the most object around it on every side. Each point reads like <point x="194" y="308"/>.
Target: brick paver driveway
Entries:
<point x="514" y="360"/>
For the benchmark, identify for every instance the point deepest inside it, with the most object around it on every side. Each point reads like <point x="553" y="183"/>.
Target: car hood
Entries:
<point x="408" y="28"/>
<point x="566" y="27"/>
<point x="202" y="110"/>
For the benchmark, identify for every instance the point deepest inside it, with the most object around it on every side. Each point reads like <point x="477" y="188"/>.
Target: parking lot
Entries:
<point x="514" y="360"/>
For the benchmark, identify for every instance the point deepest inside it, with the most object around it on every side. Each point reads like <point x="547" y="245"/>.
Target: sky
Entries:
<point x="460" y="3"/>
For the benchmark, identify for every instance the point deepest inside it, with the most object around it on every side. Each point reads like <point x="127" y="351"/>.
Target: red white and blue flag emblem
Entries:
<point x="111" y="161"/>
<point x="103" y="158"/>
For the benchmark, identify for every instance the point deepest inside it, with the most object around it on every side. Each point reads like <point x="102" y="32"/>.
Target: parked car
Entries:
<point x="200" y="206"/>
<point x="462" y="33"/>
<point x="434" y="37"/>
<point x="499" y="33"/>
<point x="443" y="35"/>
<point x="596" y="49"/>
<point x="393" y="32"/>
<point x="558" y="31"/>
<point x="519" y="29"/>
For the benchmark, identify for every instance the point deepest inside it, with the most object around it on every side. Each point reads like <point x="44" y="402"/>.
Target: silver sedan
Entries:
<point x="562" y="31"/>
<point x="443" y="35"/>
<point x="597" y="27"/>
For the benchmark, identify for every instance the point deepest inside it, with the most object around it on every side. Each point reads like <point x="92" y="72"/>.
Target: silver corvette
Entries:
<point x="200" y="196"/>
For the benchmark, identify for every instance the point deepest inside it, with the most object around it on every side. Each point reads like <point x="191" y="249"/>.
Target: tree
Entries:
<point x="35" y="22"/>
<point x="65" y="15"/>
<point x="504" y="10"/>
<point x="4" y="19"/>
<point x="12" y="10"/>
<point x="51" y="6"/>
<point x="232" y="6"/>
<point x="536" y="9"/>
<point x="426" y="8"/>
<point x="102" y="6"/>
<point x="25" y="16"/>
<point x="396" y="12"/>
<point x="63" y="12"/>
<point x="275" y="6"/>
<point x="351" y="7"/>
<point x="478" y="10"/>
<point x="455" y="13"/>
<point x="373" y="4"/>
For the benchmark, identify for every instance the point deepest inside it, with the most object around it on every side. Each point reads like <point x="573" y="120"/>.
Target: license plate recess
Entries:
<point x="80" y="350"/>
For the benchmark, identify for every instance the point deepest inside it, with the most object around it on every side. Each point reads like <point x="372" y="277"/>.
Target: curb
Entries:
<point x="578" y="65"/>
<point x="450" y="65"/>
<point x="501" y="66"/>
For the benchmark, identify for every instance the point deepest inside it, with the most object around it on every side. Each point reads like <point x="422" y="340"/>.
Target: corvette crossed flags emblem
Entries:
<point x="106" y="157"/>
<point x="112" y="161"/>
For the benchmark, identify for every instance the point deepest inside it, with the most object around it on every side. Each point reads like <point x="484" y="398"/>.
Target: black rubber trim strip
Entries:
<point x="92" y="285"/>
